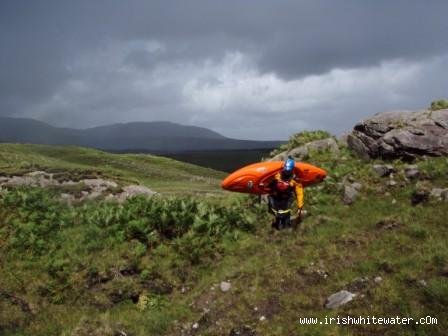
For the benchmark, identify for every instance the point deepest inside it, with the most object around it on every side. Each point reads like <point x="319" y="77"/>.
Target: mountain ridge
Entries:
<point x="150" y="136"/>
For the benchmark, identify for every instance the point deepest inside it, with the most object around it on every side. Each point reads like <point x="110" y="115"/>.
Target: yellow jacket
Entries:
<point x="297" y="187"/>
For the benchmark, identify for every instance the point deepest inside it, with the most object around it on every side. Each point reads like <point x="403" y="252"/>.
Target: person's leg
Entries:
<point x="271" y="207"/>
<point x="288" y="221"/>
<point x="290" y="202"/>
<point x="282" y="224"/>
<point x="271" y="204"/>
<point x="282" y="204"/>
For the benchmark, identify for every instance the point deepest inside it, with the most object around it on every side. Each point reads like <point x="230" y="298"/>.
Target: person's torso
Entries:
<point x="282" y="188"/>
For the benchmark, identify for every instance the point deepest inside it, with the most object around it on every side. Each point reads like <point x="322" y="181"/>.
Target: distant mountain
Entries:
<point x="157" y="136"/>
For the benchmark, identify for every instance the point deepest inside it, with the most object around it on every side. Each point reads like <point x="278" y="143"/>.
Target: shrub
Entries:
<point x="38" y="220"/>
<point x="35" y="218"/>
<point x="439" y="104"/>
<point x="149" y="220"/>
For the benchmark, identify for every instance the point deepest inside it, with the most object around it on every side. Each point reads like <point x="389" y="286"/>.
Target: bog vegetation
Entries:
<point x="152" y="266"/>
<point x="64" y="253"/>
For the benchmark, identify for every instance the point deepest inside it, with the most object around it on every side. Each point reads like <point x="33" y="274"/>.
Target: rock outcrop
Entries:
<point x="401" y="135"/>
<point x="76" y="191"/>
<point x="302" y="152"/>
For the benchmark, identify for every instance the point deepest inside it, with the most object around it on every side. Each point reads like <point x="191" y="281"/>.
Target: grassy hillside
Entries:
<point x="225" y="160"/>
<point x="153" y="267"/>
<point x="158" y="173"/>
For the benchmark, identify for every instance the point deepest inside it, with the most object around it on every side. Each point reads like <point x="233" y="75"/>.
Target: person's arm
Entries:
<point x="299" y="194"/>
<point x="271" y="185"/>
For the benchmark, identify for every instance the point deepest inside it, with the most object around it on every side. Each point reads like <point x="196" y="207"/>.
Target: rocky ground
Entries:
<point x="76" y="190"/>
<point x="393" y="178"/>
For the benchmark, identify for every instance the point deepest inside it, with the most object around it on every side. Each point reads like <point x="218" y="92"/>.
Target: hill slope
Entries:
<point x="154" y="267"/>
<point x="158" y="173"/>
<point x="149" y="136"/>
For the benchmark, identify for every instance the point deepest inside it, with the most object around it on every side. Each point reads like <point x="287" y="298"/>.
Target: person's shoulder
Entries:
<point x="274" y="180"/>
<point x="295" y="180"/>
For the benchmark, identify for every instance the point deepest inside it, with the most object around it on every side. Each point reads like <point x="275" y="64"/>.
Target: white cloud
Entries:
<point x="333" y="101"/>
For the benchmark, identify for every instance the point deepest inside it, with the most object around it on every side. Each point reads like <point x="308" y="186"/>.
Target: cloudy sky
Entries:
<point x="248" y="69"/>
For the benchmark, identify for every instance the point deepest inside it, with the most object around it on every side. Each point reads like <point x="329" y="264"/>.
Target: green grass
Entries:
<point x="158" y="173"/>
<point x="100" y="257"/>
<point x="82" y="270"/>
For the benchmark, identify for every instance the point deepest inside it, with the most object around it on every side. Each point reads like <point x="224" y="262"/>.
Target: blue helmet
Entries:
<point x="288" y="166"/>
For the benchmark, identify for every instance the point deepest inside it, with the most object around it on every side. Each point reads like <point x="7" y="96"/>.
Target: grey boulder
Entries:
<point x="225" y="286"/>
<point x="383" y="170"/>
<point x="440" y="193"/>
<point x="411" y="172"/>
<point x="351" y="192"/>
<point x="338" y="299"/>
<point x="401" y="135"/>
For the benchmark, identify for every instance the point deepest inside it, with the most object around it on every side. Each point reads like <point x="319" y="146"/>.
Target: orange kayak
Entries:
<point x="254" y="178"/>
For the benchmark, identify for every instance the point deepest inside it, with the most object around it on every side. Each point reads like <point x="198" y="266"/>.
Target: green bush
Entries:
<point x="35" y="218"/>
<point x="151" y="221"/>
<point x="38" y="219"/>
<point x="69" y="249"/>
<point x="439" y="104"/>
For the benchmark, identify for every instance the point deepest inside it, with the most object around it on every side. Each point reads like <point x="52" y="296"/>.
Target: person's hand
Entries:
<point x="301" y="212"/>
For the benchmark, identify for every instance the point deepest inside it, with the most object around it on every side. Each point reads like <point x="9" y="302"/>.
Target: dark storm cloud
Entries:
<point x="79" y="63"/>
<point x="354" y="34"/>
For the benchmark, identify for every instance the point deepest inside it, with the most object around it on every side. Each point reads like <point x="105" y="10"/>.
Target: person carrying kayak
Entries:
<point x="282" y="190"/>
